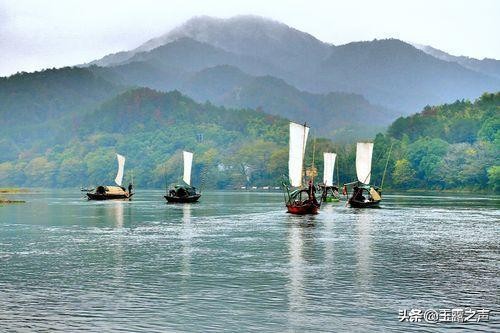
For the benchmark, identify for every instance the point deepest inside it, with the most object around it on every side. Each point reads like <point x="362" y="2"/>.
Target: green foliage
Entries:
<point x="232" y="147"/>
<point x="403" y="175"/>
<point x="494" y="177"/>
<point x="66" y="133"/>
<point x="452" y="146"/>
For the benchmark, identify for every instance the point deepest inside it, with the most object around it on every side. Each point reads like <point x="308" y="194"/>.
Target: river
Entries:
<point x="237" y="262"/>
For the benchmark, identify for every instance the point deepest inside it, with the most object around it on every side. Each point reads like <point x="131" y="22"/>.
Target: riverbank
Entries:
<point x="7" y="201"/>
<point x="13" y="190"/>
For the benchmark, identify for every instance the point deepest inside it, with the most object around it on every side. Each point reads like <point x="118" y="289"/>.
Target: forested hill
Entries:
<point x="27" y="98"/>
<point x="451" y="146"/>
<point x="151" y="129"/>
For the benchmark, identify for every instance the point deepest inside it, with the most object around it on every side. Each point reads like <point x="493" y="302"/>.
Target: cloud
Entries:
<point x="37" y="34"/>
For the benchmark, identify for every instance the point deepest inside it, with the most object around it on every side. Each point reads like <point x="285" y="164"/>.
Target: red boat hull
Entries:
<point x="302" y="209"/>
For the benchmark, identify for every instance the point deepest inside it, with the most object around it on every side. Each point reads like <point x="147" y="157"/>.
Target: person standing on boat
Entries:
<point x="311" y="191"/>
<point x="358" y="194"/>
<point x="130" y="186"/>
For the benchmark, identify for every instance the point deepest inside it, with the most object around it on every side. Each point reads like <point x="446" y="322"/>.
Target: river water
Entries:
<point x="237" y="262"/>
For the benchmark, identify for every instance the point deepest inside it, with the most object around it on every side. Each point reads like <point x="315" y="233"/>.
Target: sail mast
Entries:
<point x="386" y="164"/>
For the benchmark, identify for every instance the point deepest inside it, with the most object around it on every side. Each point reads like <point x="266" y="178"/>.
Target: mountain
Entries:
<point x="151" y="128"/>
<point x="390" y="72"/>
<point x="27" y="98"/>
<point x="252" y="36"/>
<point x="486" y="66"/>
<point x="37" y="110"/>
<point x="331" y="115"/>
<point x="205" y="72"/>
<point x="396" y="74"/>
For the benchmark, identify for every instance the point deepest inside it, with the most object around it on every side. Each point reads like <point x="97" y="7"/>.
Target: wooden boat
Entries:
<point x="108" y="192"/>
<point x="329" y="193"/>
<point x="295" y="201"/>
<point x="300" y="206"/>
<point x="364" y="195"/>
<point x="184" y="193"/>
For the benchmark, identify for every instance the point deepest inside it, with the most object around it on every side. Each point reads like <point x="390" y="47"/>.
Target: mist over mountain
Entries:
<point x="486" y="66"/>
<point x="389" y="72"/>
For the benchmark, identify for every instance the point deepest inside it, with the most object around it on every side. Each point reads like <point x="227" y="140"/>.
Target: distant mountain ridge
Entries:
<point x="486" y="66"/>
<point x="389" y="72"/>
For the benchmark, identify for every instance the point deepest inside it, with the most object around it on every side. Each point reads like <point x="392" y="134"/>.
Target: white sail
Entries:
<point x="188" y="162"/>
<point x="119" y="174"/>
<point x="329" y="165"/>
<point x="364" y="152"/>
<point x="298" y="139"/>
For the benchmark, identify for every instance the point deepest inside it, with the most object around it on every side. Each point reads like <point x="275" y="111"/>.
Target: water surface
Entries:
<point x="237" y="262"/>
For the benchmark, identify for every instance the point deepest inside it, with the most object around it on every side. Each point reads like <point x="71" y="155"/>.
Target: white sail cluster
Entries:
<point x="298" y="139"/>
<point x="121" y="165"/>
<point x="188" y="162"/>
<point x="364" y="151"/>
<point x="328" y="167"/>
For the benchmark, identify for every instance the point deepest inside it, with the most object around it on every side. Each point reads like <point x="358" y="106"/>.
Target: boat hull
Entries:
<point x="187" y="199"/>
<point x="302" y="209"/>
<point x="100" y="197"/>
<point x="364" y="204"/>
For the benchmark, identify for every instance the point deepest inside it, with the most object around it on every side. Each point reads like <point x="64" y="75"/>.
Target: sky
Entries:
<point x="49" y="33"/>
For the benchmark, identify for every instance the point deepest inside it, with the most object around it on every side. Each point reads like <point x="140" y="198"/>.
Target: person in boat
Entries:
<point x="310" y="192"/>
<point x="358" y="194"/>
<point x="130" y="187"/>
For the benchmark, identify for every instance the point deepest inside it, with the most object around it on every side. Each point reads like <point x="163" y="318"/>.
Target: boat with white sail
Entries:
<point x="329" y="192"/>
<point x="184" y="193"/>
<point x="364" y="195"/>
<point x="109" y="192"/>
<point x="302" y="200"/>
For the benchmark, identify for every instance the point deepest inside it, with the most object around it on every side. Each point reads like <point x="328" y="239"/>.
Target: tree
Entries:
<point x="494" y="177"/>
<point x="403" y="174"/>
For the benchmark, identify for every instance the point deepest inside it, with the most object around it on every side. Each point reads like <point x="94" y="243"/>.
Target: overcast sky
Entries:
<point x="40" y="34"/>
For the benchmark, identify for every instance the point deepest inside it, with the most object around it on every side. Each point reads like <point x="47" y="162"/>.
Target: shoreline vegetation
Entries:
<point x="7" y="201"/>
<point x="12" y="190"/>
<point x="448" y="147"/>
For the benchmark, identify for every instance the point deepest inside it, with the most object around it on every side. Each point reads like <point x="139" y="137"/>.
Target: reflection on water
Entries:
<point x="237" y="262"/>
<point x="363" y="247"/>
<point x="297" y="302"/>
<point x="186" y="237"/>
<point x="118" y="213"/>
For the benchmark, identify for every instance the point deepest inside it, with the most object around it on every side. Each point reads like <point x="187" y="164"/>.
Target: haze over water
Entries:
<point x="238" y="262"/>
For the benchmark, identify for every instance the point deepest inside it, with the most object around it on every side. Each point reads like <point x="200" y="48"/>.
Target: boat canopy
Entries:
<point x="183" y="190"/>
<point x="110" y="190"/>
